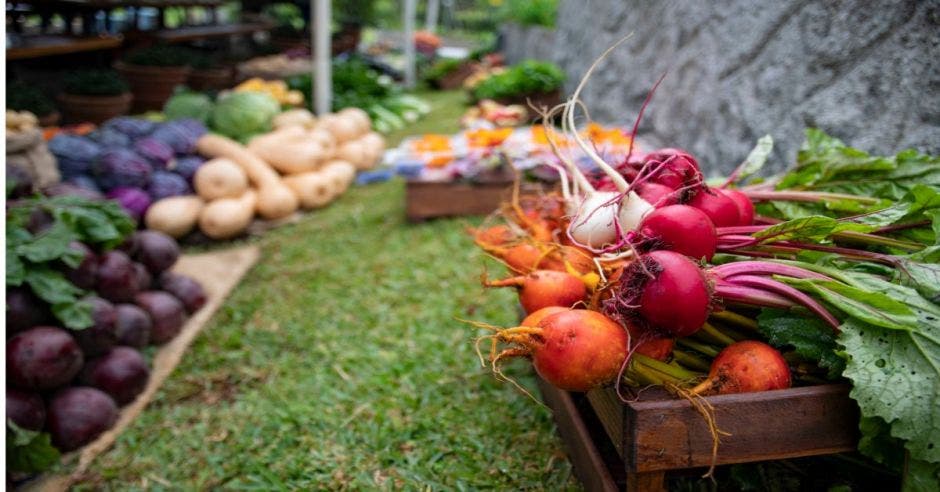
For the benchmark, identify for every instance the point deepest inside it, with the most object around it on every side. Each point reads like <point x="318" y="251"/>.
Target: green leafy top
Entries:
<point x="824" y="163"/>
<point x="442" y="68"/>
<point x="29" y="451"/>
<point x="36" y="259"/>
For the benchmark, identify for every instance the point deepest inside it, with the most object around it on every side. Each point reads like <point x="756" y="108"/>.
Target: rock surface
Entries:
<point x="866" y="72"/>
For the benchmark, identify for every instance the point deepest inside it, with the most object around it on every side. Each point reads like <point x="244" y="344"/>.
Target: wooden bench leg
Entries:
<point x="646" y="482"/>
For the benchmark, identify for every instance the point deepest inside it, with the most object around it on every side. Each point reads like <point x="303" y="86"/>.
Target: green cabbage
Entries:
<point x="188" y="105"/>
<point x="241" y="115"/>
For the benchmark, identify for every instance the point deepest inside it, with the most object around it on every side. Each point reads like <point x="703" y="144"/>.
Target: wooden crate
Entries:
<point x="640" y="441"/>
<point x="427" y="200"/>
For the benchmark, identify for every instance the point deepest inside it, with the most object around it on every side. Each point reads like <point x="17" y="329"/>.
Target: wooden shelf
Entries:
<point x="191" y="33"/>
<point x="51" y="45"/>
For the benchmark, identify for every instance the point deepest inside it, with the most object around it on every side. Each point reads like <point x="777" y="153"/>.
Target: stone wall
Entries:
<point x="865" y="71"/>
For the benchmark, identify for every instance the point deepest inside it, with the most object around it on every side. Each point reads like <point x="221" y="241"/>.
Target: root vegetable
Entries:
<point x="359" y="117"/>
<point x="544" y="288"/>
<point x="132" y="325"/>
<point x="175" y="216"/>
<point x="717" y="206"/>
<point x="745" y="367"/>
<point x="679" y="228"/>
<point x="294" y="117"/>
<point x="102" y="335"/>
<point x="341" y="127"/>
<point x="42" y="358"/>
<point x="166" y="311"/>
<point x="78" y="415"/>
<point x="744" y="204"/>
<point x="156" y="250"/>
<point x="341" y="173"/>
<point x="26" y="409"/>
<point x="84" y="274"/>
<point x="184" y="288"/>
<point x="122" y="373"/>
<point x="355" y="153"/>
<point x="116" y="278"/>
<point x="220" y="178"/>
<point x="288" y="150"/>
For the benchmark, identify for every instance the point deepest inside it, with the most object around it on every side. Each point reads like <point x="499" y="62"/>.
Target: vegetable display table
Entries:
<point x="427" y="199"/>
<point x="614" y="445"/>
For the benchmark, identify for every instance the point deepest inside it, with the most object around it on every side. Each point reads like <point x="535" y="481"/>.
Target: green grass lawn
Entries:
<point x="337" y="364"/>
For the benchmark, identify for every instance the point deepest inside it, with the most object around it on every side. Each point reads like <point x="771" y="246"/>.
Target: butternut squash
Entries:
<point x="175" y="216"/>
<point x="220" y="178"/>
<point x="294" y="117"/>
<point x="228" y="217"/>
<point x="360" y="117"/>
<point x="274" y="199"/>
<point x="342" y="128"/>
<point x="340" y="173"/>
<point x="289" y="150"/>
<point x="355" y="153"/>
<point x="314" y="189"/>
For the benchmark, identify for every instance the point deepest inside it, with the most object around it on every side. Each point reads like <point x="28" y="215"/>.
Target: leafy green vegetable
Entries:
<point x="813" y="228"/>
<point x="161" y="55"/>
<point x="37" y="260"/>
<point x="242" y="115"/>
<point x="875" y="308"/>
<point x="810" y="338"/>
<point x="194" y="105"/>
<point x="29" y="451"/>
<point x="754" y="161"/>
<point x="442" y="68"/>
<point x="824" y="163"/>
<point x="527" y="78"/>
<point x="895" y="375"/>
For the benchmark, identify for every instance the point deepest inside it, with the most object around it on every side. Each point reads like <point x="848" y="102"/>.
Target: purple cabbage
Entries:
<point x="155" y="151"/>
<point x="165" y="184"/>
<point x="187" y="166"/>
<point x="110" y="138"/>
<point x="180" y="135"/>
<point x="135" y="201"/>
<point x="74" y="147"/>
<point x="130" y="126"/>
<point x="122" y="167"/>
<point x="84" y="181"/>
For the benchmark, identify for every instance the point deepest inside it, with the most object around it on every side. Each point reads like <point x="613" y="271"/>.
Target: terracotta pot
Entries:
<point x="51" y="119"/>
<point x="96" y="109"/>
<point x="211" y="78"/>
<point x="152" y="86"/>
<point x="455" y="79"/>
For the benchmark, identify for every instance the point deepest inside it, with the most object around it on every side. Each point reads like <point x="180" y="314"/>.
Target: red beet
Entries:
<point x="102" y="336"/>
<point x="143" y="276"/>
<point x="117" y="279"/>
<point x="544" y="288"/>
<point x="122" y="373"/>
<point x="744" y="204"/>
<point x="682" y="229"/>
<point x="722" y="210"/>
<point x="42" y="358"/>
<point x="745" y="367"/>
<point x="132" y="326"/>
<point x="579" y="350"/>
<point x="24" y="310"/>
<point x="184" y="288"/>
<point x="675" y="300"/>
<point x="156" y="250"/>
<point x="25" y="409"/>
<point x="680" y="168"/>
<point x="78" y="415"/>
<point x="85" y="273"/>
<point x="166" y="312"/>
<point x="657" y="195"/>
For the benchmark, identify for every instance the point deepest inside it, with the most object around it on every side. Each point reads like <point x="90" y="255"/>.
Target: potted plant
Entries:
<point x="536" y="81"/>
<point x="449" y="73"/>
<point x="208" y="74"/>
<point x="153" y="73"/>
<point x="94" y="95"/>
<point x="27" y="97"/>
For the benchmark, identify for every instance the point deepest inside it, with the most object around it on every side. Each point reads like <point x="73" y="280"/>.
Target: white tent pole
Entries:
<point x="322" y="70"/>
<point x="430" y="23"/>
<point x="409" y="34"/>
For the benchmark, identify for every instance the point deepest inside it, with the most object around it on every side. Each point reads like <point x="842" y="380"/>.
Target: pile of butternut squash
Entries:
<point x="305" y="162"/>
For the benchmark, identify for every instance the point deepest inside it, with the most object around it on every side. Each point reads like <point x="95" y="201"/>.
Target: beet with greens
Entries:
<point x="76" y="416"/>
<point x="42" y="358"/>
<point x="122" y="373"/>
